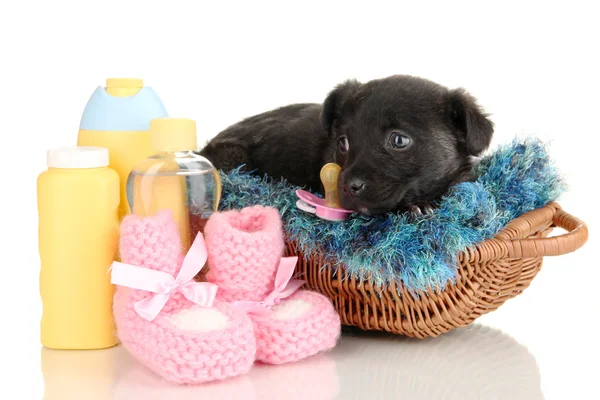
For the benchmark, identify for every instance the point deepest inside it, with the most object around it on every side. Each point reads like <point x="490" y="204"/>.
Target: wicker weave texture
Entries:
<point x="488" y="274"/>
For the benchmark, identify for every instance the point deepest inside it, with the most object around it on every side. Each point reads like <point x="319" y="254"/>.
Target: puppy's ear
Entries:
<point x="475" y="126"/>
<point x="332" y="106"/>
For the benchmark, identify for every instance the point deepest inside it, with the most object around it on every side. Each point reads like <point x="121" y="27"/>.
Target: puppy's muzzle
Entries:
<point x="354" y="187"/>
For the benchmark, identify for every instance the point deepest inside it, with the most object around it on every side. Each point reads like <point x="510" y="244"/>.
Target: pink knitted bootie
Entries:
<point x="171" y="324"/>
<point x="245" y="250"/>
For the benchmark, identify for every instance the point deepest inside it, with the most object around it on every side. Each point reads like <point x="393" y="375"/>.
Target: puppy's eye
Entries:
<point x="343" y="144"/>
<point x="399" y="140"/>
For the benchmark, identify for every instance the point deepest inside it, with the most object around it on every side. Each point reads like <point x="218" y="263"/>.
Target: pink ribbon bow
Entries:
<point x="164" y="284"/>
<point x="285" y="286"/>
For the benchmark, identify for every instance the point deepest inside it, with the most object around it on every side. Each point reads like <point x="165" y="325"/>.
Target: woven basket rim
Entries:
<point x="488" y="274"/>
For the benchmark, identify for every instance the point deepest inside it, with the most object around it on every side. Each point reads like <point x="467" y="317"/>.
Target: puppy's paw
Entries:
<point x="428" y="208"/>
<point x="420" y="209"/>
<point x="415" y="211"/>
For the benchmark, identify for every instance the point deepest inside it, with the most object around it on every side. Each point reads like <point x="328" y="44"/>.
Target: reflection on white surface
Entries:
<point x="74" y="374"/>
<point x="472" y="363"/>
<point x="141" y="383"/>
<point x="314" y="378"/>
<point x="311" y="379"/>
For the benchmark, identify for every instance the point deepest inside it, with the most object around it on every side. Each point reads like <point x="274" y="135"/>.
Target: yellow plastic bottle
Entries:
<point x="117" y="117"/>
<point x="175" y="178"/>
<point x="78" y="204"/>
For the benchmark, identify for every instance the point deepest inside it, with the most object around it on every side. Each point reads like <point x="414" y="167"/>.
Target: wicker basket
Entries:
<point x="489" y="273"/>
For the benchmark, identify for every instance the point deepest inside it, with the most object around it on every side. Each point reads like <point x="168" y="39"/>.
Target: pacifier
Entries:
<point x="329" y="208"/>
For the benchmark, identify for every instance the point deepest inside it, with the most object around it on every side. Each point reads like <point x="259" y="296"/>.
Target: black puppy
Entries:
<point x="401" y="141"/>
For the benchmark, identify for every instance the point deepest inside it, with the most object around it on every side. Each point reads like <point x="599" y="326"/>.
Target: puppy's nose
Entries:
<point x="355" y="187"/>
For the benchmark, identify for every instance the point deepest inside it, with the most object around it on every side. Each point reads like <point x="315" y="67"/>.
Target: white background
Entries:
<point x="533" y="66"/>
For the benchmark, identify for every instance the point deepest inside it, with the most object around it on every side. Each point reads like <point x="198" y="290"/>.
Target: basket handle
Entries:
<point x="576" y="236"/>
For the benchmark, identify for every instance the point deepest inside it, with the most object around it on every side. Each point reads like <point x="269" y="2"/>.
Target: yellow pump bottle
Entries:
<point x="117" y="117"/>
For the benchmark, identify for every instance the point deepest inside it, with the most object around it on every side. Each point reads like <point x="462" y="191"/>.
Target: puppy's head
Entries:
<point x="402" y="140"/>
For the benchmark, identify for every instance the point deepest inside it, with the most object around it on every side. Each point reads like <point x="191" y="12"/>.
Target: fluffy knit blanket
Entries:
<point x="422" y="252"/>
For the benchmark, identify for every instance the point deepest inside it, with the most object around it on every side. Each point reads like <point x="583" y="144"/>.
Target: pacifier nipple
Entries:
<point x="329" y="177"/>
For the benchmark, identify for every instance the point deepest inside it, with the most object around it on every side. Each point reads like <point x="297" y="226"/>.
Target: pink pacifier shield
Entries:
<point x="315" y="205"/>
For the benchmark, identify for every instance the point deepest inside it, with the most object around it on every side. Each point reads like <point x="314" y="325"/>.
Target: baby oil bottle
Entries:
<point x="175" y="178"/>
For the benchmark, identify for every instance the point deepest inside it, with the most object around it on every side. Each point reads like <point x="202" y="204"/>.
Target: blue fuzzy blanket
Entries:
<point x="422" y="252"/>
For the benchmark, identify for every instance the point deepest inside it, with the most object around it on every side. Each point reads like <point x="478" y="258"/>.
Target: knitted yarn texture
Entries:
<point x="185" y="343"/>
<point x="244" y="248"/>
